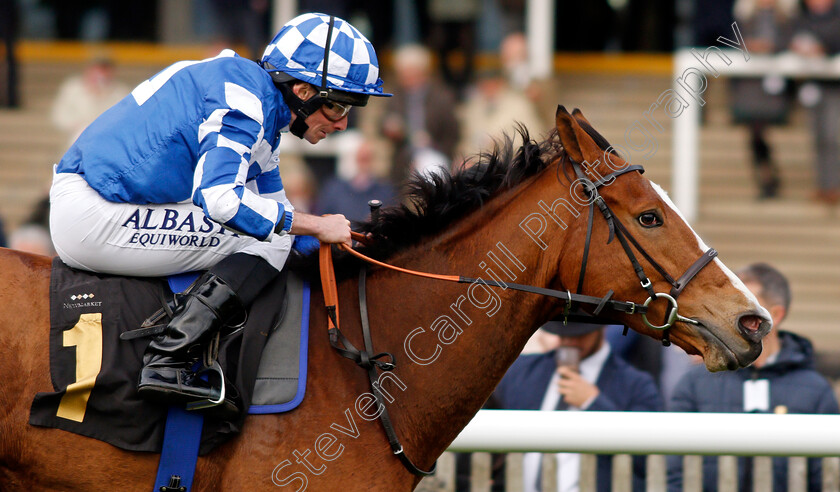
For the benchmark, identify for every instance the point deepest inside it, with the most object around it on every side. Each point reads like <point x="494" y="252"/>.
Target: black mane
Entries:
<point x="434" y="202"/>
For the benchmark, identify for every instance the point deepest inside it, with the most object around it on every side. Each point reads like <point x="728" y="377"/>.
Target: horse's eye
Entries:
<point x="650" y="219"/>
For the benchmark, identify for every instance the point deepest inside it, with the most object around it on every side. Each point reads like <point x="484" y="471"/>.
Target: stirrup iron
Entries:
<point x="202" y="404"/>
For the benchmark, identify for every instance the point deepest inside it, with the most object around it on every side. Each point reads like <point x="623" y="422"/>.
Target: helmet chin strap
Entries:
<point x="302" y="109"/>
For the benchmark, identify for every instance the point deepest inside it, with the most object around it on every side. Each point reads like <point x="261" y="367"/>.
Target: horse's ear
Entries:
<point x="566" y="131"/>
<point x="578" y="114"/>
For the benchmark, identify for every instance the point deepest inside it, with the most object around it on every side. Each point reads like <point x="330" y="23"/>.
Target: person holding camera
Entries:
<point x="582" y="374"/>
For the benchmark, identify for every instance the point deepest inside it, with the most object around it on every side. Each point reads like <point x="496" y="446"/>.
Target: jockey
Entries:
<point x="182" y="175"/>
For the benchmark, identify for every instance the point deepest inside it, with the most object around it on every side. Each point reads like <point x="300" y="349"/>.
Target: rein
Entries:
<point x="385" y="361"/>
<point x="627" y="307"/>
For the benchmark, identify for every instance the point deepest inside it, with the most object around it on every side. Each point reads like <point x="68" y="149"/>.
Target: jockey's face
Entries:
<point x="322" y="122"/>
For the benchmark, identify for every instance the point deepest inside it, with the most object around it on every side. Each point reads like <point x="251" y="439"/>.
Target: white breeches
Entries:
<point x="94" y="234"/>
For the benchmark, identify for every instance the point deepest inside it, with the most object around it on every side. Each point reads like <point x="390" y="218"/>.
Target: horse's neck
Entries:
<point x="454" y="342"/>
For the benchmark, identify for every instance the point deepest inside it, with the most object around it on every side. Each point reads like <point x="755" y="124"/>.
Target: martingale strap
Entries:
<point x="384" y="417"/>
<point x="383" y="361"/>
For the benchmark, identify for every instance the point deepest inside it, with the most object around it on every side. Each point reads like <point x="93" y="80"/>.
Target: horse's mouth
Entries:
<point x="718" y="355"/>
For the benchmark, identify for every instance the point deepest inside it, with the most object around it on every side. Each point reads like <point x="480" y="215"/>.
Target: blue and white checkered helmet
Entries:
<point x="299" y="51"/>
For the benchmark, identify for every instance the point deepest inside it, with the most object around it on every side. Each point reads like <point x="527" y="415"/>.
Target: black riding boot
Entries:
<point x="168" y="371"/>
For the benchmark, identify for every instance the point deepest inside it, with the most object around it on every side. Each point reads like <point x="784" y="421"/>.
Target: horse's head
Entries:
<point x="635" y="224"/>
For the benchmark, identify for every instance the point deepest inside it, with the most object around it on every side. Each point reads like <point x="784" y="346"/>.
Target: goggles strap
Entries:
<point x="327" y="58"/>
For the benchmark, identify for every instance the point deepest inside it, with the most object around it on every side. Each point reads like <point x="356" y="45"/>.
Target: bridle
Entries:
<point x="386" y="362"/>
<point x="625" y="238"/>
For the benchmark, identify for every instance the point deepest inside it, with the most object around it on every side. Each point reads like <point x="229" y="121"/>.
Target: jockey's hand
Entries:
<point x="336" y="229"/>
<point x="326" y="228"/>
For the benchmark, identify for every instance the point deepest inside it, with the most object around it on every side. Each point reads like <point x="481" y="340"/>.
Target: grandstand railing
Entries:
<point x="647" y="433"/>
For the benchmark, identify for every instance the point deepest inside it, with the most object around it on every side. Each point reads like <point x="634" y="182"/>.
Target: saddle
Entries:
<point x="94" y="372"/>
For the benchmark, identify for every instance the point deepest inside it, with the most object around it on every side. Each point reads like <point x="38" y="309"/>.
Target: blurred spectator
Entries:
<point x="8" y="76"/>
<point x="419" y="120"/>
<point x="452" y="31"/>
<point x="513" y="53"/>
<point x="81" y="98"/>
<point x="245" y="21"/>
<point x="350" y="196"/>
<point x="602" y="381"/>
<point x="32" y="238"/>
<point x="759" y="103"/>
<point x="816" y="33"/>
<point x="781" y="380"/>
<point x="493" y="110"/>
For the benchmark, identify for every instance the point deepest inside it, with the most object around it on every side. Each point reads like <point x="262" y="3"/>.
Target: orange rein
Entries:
<point x="328" y="283"/>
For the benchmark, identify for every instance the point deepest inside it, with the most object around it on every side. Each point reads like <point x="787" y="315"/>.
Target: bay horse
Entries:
<point x="516" y="215"/>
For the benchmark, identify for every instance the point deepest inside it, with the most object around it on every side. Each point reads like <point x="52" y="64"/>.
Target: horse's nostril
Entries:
<point x="750" y="323"/>
<point x="753" y="327"/>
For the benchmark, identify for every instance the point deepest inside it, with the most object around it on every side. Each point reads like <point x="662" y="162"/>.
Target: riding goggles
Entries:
<point x="335" y="111"/>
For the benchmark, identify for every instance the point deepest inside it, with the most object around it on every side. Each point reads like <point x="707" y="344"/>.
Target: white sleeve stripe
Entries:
<point x="242" y="173"/>
<point x="241" y="99"/>
<point x="213" y="124"/>
<point x="266" y="208"/>
<point x="198" y="174"/>
<point x="221" y="201"/>
<point x="147" y="89"/>
<point x="237" y="147"/>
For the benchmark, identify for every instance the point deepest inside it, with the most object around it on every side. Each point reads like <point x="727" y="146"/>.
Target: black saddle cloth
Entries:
<point x="94" y="373"/>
